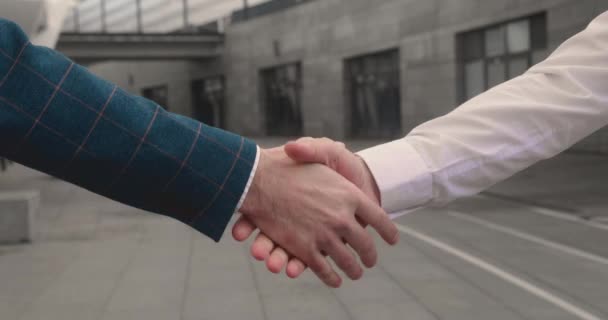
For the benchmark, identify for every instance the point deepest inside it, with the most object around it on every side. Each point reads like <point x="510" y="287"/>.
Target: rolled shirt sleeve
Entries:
<point x="402" y="176"/>
<point x="500" y="132"/>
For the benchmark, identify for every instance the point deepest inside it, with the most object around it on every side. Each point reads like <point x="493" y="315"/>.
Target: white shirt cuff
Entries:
<point x="402" y="176"/>
<point x="251" y="175"/>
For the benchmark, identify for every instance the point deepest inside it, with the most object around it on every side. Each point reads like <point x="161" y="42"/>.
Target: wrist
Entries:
<point x="370" y="181"/>
<point x="253" y="197"/>
<point x="257" y="198"/>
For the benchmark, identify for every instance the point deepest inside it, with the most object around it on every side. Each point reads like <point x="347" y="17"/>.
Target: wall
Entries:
<point x="322" y="33"/>
<point x="177" y="75"/>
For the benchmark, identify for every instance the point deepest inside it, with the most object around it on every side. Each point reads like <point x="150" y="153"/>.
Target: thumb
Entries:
<point x="303" y="151"/>
<point x="242" y="229"/>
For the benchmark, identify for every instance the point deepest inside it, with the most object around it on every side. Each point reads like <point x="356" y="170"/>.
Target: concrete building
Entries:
<point x="358" y="68"/>
<point x="42" y="20"/>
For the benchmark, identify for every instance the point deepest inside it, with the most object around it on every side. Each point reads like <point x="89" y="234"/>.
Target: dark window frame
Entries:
<point x="348" y="93"/>
<point x="268" y="127"/>
<point x="223" y="112"/>
<point x="145" y="92"/>
<point x="538" y="42"/>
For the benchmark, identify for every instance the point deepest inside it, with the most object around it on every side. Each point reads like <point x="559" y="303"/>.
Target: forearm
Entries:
<point x="503" y="131"/>
<point x="58" y="118"/>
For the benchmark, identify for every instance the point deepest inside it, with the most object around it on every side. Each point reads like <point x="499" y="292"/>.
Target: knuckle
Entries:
<point x="349" y="264"/>
<point x="352" y="196"/>
<point x="333" y="162"/>
<point x="368" y="246"/>
<point x="345" y="193"/>
<point x="326" y="140"/>
<point x="326" y="274"/>
<point x="319" y="266"/>
<point x="352" y="191"/>
<point x="352" y="268"/>
<point x="311" y="260"/>
<point x="375" y="219"/>
<point x="290" y="237"/>
<point x="324" y="240"/>
<point x="342" y="225"/>
<point x="343" y="229"/>
<point x="369" y="257"/>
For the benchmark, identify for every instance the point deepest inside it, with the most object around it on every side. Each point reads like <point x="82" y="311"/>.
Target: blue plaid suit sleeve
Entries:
<point x="58" y="118"/>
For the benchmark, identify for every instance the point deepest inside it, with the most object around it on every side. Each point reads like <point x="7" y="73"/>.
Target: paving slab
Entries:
<point x="101" y="260"/>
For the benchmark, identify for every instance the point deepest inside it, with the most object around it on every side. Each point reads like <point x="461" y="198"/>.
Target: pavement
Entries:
<point x="571" y="182"/>
<point x="534" y="247"/>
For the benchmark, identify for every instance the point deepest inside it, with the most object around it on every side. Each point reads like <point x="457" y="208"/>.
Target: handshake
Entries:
<point x="310" y="199"/>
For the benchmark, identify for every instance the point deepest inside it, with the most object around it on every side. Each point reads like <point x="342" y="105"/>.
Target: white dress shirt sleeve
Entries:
<point x="500" y="132"/>
<point x="254" y="169"/>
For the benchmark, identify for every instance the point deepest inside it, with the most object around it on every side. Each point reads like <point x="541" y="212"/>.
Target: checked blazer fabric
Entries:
<point x="60" y="119"/>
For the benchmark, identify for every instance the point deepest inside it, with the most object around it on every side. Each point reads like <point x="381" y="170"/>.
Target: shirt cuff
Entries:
<point x="402" y="176"/>
<point x="251" y="175"/>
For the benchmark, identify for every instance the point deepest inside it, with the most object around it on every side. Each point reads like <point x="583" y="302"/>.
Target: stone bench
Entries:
<point x="17" y="213"/>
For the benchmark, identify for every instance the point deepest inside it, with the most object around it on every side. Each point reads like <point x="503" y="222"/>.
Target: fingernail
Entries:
<point x="395" y="239"/>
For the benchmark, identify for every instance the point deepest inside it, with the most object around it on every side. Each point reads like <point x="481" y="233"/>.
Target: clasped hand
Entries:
<point x="313" y="198"/>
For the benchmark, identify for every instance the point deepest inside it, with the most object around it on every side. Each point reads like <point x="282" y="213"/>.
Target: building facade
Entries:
<point x="357" y="69"/>
<point x="125" y="16"/>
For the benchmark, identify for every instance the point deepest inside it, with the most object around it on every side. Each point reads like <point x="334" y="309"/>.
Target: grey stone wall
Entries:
<point x="322" y="33"/>
<point x="177" y="75"/>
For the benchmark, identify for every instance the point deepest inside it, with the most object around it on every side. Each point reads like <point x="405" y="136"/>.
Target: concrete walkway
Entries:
<point x="96" y="259"/>
<point x="575" y="183"/>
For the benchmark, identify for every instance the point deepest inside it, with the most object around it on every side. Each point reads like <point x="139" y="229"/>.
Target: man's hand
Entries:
<point x="308" y="150"/>
<point x="311" y="210"/>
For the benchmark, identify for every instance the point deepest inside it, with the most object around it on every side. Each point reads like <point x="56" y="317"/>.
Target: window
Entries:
<point x="492" y="55"/>
<point x="373" y="96"/>
<point x="280" y="97"/>
<point x="158" y="94"/>
<point x="208" y="101"/>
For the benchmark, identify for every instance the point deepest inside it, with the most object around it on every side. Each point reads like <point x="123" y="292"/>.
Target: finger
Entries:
<point x="242" y="229"/>
<point x="261" y="247"/>
<point x="323" y="270"/>
<point x="295" y="267"/>
<point x="302" y="150"/>
<point x="330" y="153"/>
<point x="362" y="223"/>
<point x="362" y="242"/>
<point x="277" y="260"/>
<point x="372" y="214"/>
<point x="323" y="151"/>
<point x="345" y="259"/>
